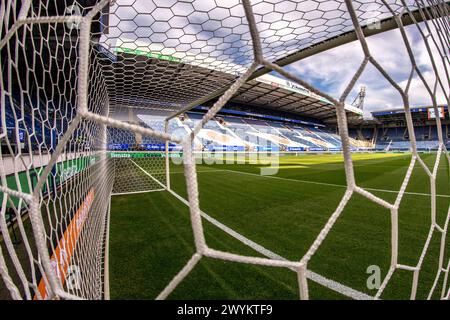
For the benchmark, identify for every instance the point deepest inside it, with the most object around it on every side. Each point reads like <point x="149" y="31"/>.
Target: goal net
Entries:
<point x="71" y="71"/>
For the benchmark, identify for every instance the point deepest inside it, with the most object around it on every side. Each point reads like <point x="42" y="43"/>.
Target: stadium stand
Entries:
<point x="232" y="132"/>
<point x="31" y="135"/>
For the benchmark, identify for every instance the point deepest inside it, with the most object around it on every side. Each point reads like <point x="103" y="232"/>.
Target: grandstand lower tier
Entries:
<point x="226" y="133"/>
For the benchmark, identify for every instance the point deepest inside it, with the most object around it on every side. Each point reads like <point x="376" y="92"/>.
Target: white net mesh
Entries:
<point x="67" y="67"/>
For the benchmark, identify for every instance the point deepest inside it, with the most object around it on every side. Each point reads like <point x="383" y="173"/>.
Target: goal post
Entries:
<point x="167" y="163"/>
<point x="67" y="71"/>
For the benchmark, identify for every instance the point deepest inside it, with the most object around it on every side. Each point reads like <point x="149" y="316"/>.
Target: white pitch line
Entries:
<point x="333" y="184"/>
<point x="152" y="177"/>
<point x="328" y="283"/>
<point x="135" y="192"/>
<point x="199" y="171"/>
<point x="315" y="182"/>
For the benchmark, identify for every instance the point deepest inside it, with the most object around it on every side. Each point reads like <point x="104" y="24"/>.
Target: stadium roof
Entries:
<point x="420" y="113"/>
<point x="181" y="55"/>
<point x="133" y="72"/>
<point x="279" y="94"/>
<point x="394" y="111"/>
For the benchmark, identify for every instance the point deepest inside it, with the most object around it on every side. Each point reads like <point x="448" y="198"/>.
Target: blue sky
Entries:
<point x="331" y="70"/>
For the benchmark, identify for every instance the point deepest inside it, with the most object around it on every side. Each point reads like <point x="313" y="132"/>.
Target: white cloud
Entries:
<point x="332" y="70"/>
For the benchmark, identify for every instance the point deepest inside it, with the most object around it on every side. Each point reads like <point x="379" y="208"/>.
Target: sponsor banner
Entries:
<point x="120" y="155"/>
<point x="261" y="148"/>
<point x="151" y="55"/>
<point x="63" y="171"/>
<point x="143" y="154"/>
<point x="295" y="149"/>
<point x="316" y="149"/>
<point x="118" y="146"/>
<point x="67" y="169"/>
<point x="160" y="147"/>
<point x="285" y="84"/>
<point x="154" y="146"/>
<point x="145" y="146"/>
<point x="290" y="86"/>
<point x="63" y="253"/>
<point x="334" y="149"/>
<point x="297" y="88"/>
<point x="226" y="148"/>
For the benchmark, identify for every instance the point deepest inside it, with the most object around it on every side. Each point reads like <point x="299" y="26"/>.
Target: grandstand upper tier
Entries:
<point x="388" y="129"/>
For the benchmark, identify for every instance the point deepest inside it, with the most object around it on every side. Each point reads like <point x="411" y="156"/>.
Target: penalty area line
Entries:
<point x="136" y="192"/>
<point x="333" y="184"/>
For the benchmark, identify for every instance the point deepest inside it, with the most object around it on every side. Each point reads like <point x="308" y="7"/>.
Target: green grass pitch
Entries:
<point x="151" y="237"/>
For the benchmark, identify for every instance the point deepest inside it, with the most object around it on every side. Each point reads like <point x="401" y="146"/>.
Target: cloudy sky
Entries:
<point x="331" y="70"/>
